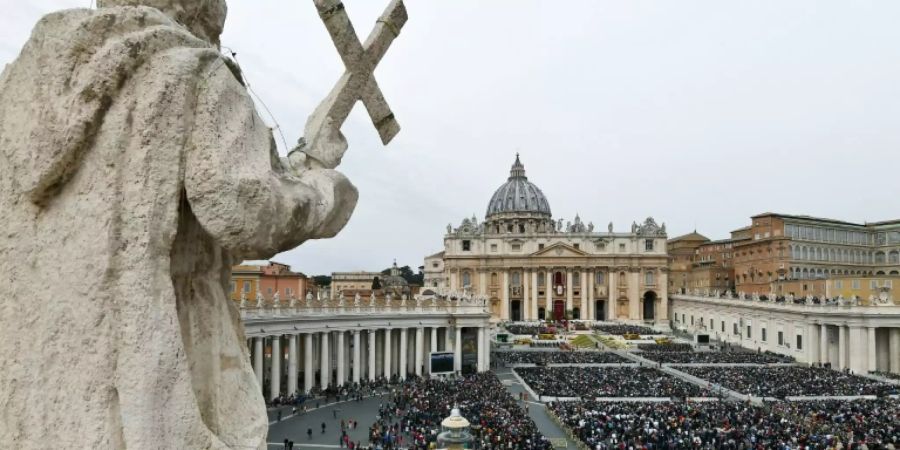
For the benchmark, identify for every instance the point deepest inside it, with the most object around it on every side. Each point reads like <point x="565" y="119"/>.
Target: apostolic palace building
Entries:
<point x="532" y="266"/>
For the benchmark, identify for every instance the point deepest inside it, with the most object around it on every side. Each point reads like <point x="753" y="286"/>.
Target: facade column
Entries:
<point x="434" y="339"/>
<point x="325" y="361"/>
<point x="487" y="349"/>
<point x="870" y="350"/>
<point x="534" y="294"/>
<point x="482" y="282"/>
<point x="371" y="354"/>
<point x="612" y="294"/>
<point x="308" y="369"/>
<point x="824" y="356"/>
<point x="591" y="304"/>
<point x="356" y="357"/>
<point x="504" y="297"/>
<point x="292" y="365"/>
<point x="843" y="340"/>
<point x="481" y="358"/>
<point x="420" y="349"/>
<point x="584" y="304"/>
<point x="634" y="296"/>
<point x="448" y="339"/>
<point x="258" y="349"/>
<point x="569" y="274"/>
<point x="457" y="352"/>
<point x="894" y="349"/>
<point x="275" y="376"/>
<point x="404" y="351"/>
<point x="387" y="353"/>
<point x="663" y="313"/>
<point x="341" y="360"/>
<point x="548" y="289"/>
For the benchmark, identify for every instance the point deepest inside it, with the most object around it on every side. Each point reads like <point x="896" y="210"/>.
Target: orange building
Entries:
<point x="681" y="251"/>
<point x="267" y="277"/>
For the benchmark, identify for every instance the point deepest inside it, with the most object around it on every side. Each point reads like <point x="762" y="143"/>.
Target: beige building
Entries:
<point x="533" y="267"/>
<point x="434" y="271"/>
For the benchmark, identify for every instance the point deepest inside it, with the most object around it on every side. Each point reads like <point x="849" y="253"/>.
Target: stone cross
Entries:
<point x="360" y="60"/>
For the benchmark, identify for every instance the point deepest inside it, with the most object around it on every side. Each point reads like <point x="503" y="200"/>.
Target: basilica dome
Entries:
<point x="518" y="195"/>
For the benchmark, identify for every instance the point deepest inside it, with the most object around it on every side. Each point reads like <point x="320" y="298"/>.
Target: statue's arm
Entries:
<point x="241" y="192"/>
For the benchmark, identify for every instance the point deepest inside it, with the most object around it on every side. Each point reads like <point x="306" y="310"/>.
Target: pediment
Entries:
<point x="559" y="250"/>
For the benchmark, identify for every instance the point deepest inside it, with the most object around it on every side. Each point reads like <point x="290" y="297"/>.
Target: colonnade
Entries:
<point x="856" y="347"/>
<point x="306" y="360"/>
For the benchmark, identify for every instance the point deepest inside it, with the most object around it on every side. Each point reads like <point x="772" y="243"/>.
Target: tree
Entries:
<point x="376" y="284"/>
<point x="322" y="280"/>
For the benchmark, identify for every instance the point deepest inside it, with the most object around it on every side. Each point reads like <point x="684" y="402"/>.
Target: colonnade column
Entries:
<point x="357" y="364"/>
<point x="870" y="350"/>
<point x="258" y="348"/>
<point x="324" y="360"/>
<point x="457" y="352"/>
<point x="420" y="348"/>
<point x="569" y="274"/>
<point x="371" y="355"/>
<point x="823" y="344"/>
<point x="894" y="349"/>
<point x="434" y="339"/>
<point x="292" y="364"/>
<point x="387" y="353"/>
<point x="534" y="294"/>
<point x="404" y="351"/>
<point x="448" y="338"/>
<point x="843" y="340"/>
<point x="504" y="296"/>
<point x="663" y="313"/>
<point x="812" y="344"/>
<point x="275" y="375"/>
<point x="308" y="371"/>
<point x="481" y="356"/>
<point x="341" y="368"/>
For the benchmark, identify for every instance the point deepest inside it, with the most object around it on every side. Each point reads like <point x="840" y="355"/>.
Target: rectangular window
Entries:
<point x="576" y="246"/>
<point x="247" y="286"/>
<point x="763" y="336"/>
<point x="735" y="331"/>
<point x="467" y="245"/>
<point x="494" y="248"/>
<point x="540" y="246"/>
<point x="838" y="284"/>
<point x="599" y="278"/>
<point x="517" y="247"/>
<point x="648" y="244"/>
<point x="873" y="284"/>
<point x="749" y="332"/>
<point x="233" y="286"/>
<point x="648" y="278"/>
<point x="723" y="326"/>
<point x="622" y="248"/>
<point x="799" y="342"/>
<point x="288" y="291"/>
<point x="854" y="284"/>
<point x="692" y="320"/>
<point x="780" y="338"/>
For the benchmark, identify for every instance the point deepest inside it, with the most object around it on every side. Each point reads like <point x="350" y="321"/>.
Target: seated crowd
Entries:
<point x="530" y="330"/>
<point x="670" y="347"/>
<point x="781" y="382"/>
<point x="621" y="329"/>
<point x="716" y="357"/>
<point x="732" y="425"/>
<point x="412" y="419"/>
<point x="591" y="382"/>
<point x="563" y="357"/>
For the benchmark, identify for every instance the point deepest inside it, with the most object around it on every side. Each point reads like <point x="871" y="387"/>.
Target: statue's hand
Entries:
<point x="321" y="148"/>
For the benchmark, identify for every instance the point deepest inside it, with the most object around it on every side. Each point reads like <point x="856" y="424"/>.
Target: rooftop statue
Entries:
<point x="134" y="171"/>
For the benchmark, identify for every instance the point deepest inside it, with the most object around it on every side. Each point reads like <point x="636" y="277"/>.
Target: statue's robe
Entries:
<point x="134" y="171"/>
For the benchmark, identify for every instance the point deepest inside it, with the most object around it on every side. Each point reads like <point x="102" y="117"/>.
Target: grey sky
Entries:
<point x="695" y="112"/>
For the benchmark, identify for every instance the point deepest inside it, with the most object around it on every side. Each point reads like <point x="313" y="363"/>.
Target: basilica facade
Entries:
<point x="532" y="266"/>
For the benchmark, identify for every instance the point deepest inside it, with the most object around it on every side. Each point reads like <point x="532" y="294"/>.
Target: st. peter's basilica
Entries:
<point x="533" y="267"/>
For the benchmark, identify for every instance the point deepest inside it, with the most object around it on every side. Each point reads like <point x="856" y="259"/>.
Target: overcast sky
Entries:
<point x="698" y="113"/>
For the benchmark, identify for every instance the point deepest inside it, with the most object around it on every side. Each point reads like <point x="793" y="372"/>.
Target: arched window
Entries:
<point x="894" y="257"/>
<point x="879" y="258"/>
<point x="493" y="278"/>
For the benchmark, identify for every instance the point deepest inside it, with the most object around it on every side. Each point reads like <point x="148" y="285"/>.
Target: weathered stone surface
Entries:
<point x="133" y="171"/>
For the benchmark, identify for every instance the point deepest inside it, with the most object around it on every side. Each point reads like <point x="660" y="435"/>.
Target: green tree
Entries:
<point x="322" y="280"/>
<point x="376" y="284"/>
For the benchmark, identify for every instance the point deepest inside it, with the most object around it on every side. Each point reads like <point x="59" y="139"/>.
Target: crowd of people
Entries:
<point x="349" y="391"/>
<point x="732" y="425"/>
<point x="715" y="357"/>
<point x="530" y="330"/>
<point x="781" y="382"/>
<point x="412" y="419"/>
<point x="591" y="382"/>
<point x="559" y="357"/>
<point x="668" y="347"/>
<point x="622" y="329"/>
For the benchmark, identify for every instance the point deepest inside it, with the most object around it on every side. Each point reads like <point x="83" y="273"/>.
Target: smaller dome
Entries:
<point x="394" y="280"/>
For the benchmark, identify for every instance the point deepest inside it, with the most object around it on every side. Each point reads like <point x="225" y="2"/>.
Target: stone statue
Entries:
<point x="610" y="227"/>
<point x="590" y="227"/>
<point x="634" y="227"/>
<point x="134" y="171"/>
<point x="309" y="299"/>
<point x="356" y="300"/>
<point x="243" y="299"/>
<point x="449" y="228"/>
<point x="372" y="300"/>
<point x="293" y="301"/>
<point x="340" y="299"/>
<point x="260" y="300"/>
<point x="559" y="225"/>
<point x="568" y="227"/>
<point x="276" y="301"/>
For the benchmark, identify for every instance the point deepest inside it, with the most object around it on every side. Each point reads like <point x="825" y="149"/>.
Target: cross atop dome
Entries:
<point x="518" y="170"/>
